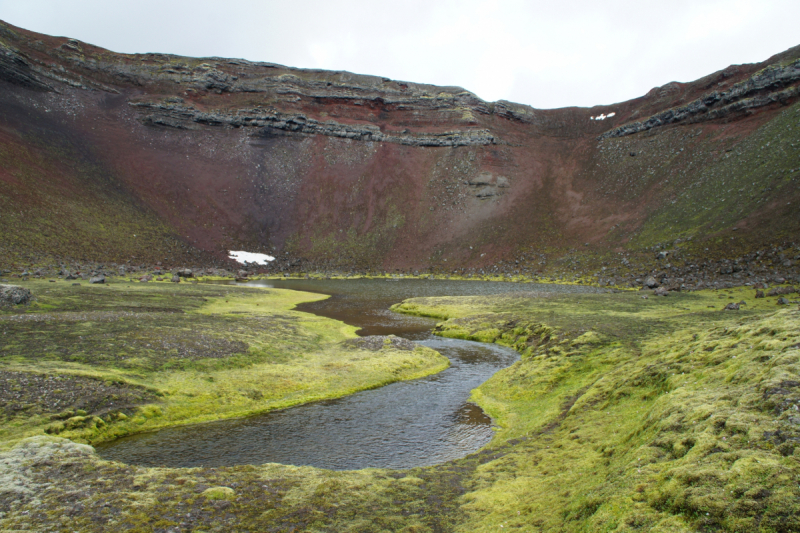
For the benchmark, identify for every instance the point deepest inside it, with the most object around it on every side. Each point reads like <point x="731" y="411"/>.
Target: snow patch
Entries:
<point x="250" y="257"/>
<point x="601" y="116"/>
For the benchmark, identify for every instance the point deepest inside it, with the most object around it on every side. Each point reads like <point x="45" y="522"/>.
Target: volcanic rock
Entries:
<point x="14" y="295"/>
<point x="778" y="291"/>
<point x="650" y="282"/>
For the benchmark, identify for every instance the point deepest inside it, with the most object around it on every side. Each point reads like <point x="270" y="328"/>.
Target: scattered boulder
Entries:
<point x="779" y="291"/>
<point x="185" y="273"/>
<point x="176" y="279"/>
<point x="98" y="279"/>
<point x="783" y="301"/>
<point x="662" y="255"/>
<point x="148" y="277"/>
<point x="759" y="294"/>
<point x="731" y="307"/>
<point x="14" y="295"/>
<point x="650" y="282"/>
<point x="661" y="291"/>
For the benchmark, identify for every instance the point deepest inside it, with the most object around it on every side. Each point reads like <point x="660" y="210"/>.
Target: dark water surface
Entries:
<point x="402" y="425"/>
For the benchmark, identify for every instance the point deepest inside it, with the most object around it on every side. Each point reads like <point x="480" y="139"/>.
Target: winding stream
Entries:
<point x="402" y="425"/>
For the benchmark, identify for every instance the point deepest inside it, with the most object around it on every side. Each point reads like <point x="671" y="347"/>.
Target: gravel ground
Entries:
<point x="28" y="394"/>
<point x="374" y="343"/>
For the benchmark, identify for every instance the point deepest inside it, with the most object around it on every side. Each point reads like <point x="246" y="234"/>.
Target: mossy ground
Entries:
<point x="624" y="414"/>
<point x="665" y="414"/>
<point x="155" y="355"/>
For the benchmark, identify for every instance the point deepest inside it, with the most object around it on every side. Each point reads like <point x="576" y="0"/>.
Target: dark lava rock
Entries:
<point x="783" y="301"/>
<point x="759" y="294"/>
<point x="176" y="279"/>
<point x="14" y="295"/>
<point x="661" y="291"/>
<point x="185" y="273"/>
<point x="731" y="307"/>
<point x="661" y="255"/>
<point x="98" y="279"/>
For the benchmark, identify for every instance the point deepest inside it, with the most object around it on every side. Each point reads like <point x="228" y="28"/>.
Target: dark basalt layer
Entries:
<point x="176" y="115"/>
<point x="763" y="88"/>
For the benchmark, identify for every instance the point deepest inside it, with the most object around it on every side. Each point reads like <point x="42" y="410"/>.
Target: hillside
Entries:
<point x="158" y="158"/>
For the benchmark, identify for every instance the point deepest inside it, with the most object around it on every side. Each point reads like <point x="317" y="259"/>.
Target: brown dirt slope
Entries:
<point x="107" y="156"/>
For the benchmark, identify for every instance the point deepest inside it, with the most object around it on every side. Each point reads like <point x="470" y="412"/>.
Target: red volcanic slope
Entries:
<point x="333" y="169"/>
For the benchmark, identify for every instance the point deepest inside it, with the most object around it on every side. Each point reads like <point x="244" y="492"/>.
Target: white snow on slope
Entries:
<point x="250" y="257"/>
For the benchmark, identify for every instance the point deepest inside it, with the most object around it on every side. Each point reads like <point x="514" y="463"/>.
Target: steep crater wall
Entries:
<point x="165" y="158"/>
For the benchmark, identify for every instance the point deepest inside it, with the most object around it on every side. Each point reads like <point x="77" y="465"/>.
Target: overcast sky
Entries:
<point x="543" y="53"/>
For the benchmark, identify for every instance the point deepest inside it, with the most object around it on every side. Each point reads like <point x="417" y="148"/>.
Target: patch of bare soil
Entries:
<point x="374" y="343"/>
<point x="28" y="394"/>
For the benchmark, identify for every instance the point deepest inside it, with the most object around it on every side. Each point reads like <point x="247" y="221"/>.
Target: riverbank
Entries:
<point x="665" y="414"/>
<point x="93" y="362"/>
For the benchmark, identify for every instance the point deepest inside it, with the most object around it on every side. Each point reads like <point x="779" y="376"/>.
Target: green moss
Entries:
<point x="722" y="188"/>
<point x="633" y="414"/>
<point x="201" y="352"/>
<point x="219" y="493"/>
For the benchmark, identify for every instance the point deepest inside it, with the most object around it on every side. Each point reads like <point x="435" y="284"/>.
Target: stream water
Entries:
<point x="402" y="425"/>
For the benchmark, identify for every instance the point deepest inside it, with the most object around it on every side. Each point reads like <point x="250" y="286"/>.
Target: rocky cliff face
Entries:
<point x="155" y="157"/>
